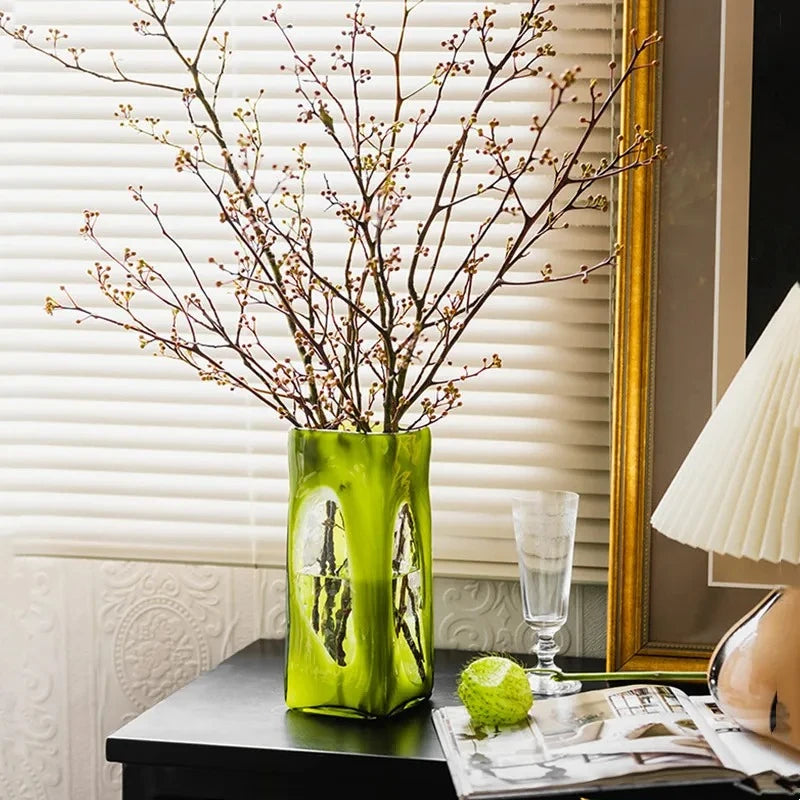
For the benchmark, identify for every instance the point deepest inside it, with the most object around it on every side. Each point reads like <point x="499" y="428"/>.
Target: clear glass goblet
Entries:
<point x="544" y="531"/>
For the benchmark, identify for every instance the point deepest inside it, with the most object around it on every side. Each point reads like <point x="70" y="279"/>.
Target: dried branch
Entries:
<point x="375" y="344"/>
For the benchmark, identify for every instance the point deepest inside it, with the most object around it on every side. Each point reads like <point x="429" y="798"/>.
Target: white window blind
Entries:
<point x="108" y="451"/>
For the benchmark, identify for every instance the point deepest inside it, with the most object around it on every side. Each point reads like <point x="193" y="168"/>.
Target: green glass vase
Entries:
<point x="359" y="599"/>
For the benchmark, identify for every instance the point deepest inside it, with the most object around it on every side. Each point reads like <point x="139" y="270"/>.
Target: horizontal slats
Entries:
<point x="118" y="149"/>
<point x="517" y="447"/>
<point x="577" y="349"/>
<point x="104" y="449"/>
<point x="32" y="90"/>
<point x="134" y="377"/>
<point x="222" y="429"/>
<point x="531" y="306"/>
<point x="193" y="229"/>
<point x="512" y="406"/>
<point x="158" y="461"/>
<point x="116" y="202"/>
<point x="206" y="545"/>
<point x="214" y="498"/>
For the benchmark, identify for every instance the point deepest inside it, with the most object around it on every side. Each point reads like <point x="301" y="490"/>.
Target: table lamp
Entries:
<point x="737" y="493"/>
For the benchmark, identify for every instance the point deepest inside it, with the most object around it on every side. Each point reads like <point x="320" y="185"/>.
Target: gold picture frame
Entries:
<point x="662" y="614"/>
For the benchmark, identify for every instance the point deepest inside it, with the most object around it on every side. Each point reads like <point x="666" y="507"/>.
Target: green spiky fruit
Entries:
<point x="495" y="691"/>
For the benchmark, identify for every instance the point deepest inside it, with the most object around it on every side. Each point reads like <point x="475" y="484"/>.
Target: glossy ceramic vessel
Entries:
<point x="753" y="672"/>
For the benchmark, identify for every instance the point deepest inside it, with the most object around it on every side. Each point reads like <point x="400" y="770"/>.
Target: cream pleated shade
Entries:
<point x="738" y="490"/>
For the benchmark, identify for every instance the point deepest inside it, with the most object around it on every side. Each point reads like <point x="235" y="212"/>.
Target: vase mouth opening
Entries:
<point x="371" y="434"/>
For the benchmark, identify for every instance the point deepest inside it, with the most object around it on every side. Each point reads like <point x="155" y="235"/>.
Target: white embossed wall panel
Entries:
<point x="160" y="626"/>
<point x="89" y="644"/>
<point x="272" y="595"/>
<point x="487" y="615"/>
<point x="34" y="757"/>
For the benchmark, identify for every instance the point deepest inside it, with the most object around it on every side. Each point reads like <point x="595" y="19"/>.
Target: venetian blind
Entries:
<point x="108" y="451"/>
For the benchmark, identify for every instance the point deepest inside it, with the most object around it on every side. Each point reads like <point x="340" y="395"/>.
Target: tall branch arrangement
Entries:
<point x="375" y="340"/>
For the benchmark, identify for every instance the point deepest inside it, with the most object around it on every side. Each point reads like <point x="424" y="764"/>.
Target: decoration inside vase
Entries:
<point x="359" y="621"/>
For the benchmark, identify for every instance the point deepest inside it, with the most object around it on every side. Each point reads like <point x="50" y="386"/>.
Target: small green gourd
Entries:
<point x="495" y="691"/>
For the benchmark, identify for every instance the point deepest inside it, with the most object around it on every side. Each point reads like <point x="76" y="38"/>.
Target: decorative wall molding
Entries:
<point x="33" y="752"/>
<point x="271" y="623"/>
<point x="487" y="615"/>
<point x="95" y="642"/>
<point x="160" y="626"/>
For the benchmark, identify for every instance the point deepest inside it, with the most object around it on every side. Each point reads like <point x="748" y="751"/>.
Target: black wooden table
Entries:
<point x="228" y="736"/>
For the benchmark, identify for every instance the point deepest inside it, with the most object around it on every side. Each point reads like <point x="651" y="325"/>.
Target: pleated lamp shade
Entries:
<point x="738" y="490"/>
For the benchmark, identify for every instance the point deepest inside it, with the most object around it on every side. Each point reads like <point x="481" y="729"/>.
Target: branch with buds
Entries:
<point x="375" y="344"/>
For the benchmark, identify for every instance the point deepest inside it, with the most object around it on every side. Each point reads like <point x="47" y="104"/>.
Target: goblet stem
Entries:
<point x="542" y="678"/>
<point x="545" y="650"/>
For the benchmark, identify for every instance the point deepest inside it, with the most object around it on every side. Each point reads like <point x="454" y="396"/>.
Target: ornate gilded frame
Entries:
<point x="628" y="647"/>
<point x="643" y="565"/>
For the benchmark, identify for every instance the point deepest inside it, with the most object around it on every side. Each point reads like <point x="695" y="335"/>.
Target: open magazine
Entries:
<point x="623" y="737"/>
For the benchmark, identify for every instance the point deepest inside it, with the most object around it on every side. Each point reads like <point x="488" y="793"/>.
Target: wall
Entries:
<point x="87" y="644"/>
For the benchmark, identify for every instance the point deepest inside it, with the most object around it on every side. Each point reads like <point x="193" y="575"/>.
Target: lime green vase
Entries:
<point x="359" y="599"/>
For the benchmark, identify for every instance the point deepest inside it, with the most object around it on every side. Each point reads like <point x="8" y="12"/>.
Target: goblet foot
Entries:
<point x="544" y="678"/>
<point x="545" y="685"/>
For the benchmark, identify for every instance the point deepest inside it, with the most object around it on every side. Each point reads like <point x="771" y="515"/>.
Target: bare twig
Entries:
<point x="374" y="345"/>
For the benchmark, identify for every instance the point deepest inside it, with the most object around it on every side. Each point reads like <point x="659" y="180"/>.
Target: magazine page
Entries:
<point x="743" y="750"/>
<point x="631" y="735"/>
